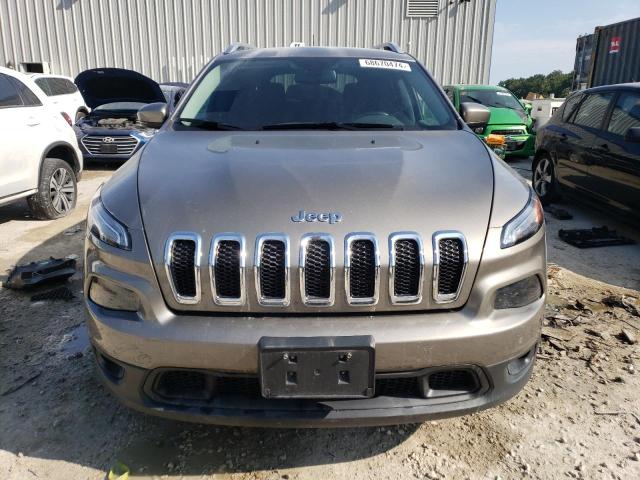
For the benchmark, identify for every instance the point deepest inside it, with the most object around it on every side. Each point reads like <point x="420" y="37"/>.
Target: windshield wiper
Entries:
<point x="329" y="126"/>
<point x="208" y="124"/>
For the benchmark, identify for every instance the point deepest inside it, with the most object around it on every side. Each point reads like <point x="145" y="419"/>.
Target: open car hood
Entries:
<point x="109" y="85"/>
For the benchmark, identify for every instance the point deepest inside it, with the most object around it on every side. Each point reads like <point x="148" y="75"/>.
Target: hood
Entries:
<point x="254" y="182"/>
<point x="109" y="85"/>
<point x="508" y="116"/>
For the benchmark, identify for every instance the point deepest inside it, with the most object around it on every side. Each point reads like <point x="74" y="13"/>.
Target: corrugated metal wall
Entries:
<point x="171" y="40"/>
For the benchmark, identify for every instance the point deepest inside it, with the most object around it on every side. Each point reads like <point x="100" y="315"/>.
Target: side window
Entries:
<point x="43" y="83"/>
<point x="29" y="99"/>
<point x="570" y="105"/>
<point x="449" y="92"/>
<point x="57" y="86"/>
<point x="592" y="111"/>
<point x="9" y="96"/>
<point x="69" y="87"/>
<point x="625" y="115"/>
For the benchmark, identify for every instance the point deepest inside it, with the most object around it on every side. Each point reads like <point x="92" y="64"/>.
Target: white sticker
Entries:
<point x="388" y="64"/>
<point x="504" y="94"/>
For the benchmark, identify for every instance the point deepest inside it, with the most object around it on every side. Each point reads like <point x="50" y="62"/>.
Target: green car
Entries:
<point x="509" y="117"/>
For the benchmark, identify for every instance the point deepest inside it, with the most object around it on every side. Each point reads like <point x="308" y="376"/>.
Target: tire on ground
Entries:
<point x="41" y="203"/>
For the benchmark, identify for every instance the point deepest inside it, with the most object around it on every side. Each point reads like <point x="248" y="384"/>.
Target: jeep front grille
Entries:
<point x="182" y="263"/>
<point x="272" y="270"/>
<point x="124" y="144"/>
<point x="317" y="269"/>
<point x="406" y="267"/>
<point x="317" y="265"/>
<point x="362" y="269"/>
<point x="449" y="265"/>
<point x="226" y="268"/>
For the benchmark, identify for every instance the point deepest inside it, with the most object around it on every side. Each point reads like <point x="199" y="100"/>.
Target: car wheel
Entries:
<point x="80" y="115"/>
<point x="544" y="179"/>
<point x="57" y="191"/>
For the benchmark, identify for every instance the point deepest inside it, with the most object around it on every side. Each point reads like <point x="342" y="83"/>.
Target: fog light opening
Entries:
<point x="110" y="295"/>
<point x="516" y="367"/>
<point x="519" y="294"/>
<point x="111" y="369"/>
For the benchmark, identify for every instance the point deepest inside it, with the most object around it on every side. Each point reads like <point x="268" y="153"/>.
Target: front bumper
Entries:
<point x="498" y="384"/>
<point x="476" y="336"/>
<point x="517" y="145"/>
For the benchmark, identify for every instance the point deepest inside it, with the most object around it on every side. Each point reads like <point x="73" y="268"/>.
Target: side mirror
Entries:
<point x="527" y="108"/>
<point x="633" y="135"/>
<point x="475" y="115"/>
<point x="153" y="115"/>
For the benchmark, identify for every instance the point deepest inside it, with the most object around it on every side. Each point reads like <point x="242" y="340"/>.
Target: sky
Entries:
<point x="540" y="36"/>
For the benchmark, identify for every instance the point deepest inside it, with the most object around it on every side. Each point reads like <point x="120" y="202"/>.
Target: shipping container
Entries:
<point x="616" y="57"/>
<point x="582" y="65"/>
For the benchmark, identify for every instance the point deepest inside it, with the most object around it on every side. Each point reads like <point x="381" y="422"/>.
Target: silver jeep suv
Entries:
<point x="314" y="238"/>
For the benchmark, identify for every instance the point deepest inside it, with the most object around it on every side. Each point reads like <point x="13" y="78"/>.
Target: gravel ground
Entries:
<point x="578" y="417"/>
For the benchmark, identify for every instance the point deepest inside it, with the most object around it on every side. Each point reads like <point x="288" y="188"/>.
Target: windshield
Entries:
<point x="491" y="98"/>
<point x="320" y="93"/>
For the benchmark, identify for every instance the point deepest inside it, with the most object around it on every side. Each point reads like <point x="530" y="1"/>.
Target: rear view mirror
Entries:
<point x="633" y="135"/>
<point x="153" y="115"/>
<point x="475" y="115"/>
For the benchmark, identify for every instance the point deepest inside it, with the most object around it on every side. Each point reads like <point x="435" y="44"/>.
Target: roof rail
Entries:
<point x="236" y="47"/>
<point x="390" y="46"/>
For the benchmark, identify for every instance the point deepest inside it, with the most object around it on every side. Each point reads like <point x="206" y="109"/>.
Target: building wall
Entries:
<point x="171" y="40"/>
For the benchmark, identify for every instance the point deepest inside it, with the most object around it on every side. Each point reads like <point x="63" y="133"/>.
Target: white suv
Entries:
<point x="63" y="93"/>
<point x="39" y="155"/>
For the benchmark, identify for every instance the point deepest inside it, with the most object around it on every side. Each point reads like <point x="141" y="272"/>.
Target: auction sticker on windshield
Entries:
<point x="389" y="64"/>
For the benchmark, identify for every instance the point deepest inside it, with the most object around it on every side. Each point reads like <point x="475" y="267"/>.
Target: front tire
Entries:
<point x="544" y="179"/>
<point x="57" y="191"/>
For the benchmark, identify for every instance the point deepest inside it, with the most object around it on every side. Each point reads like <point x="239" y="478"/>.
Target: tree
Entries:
<point x="556" y="82"/>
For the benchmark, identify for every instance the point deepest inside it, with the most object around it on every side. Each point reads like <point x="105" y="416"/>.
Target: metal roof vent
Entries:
<point x="422" y="8"/>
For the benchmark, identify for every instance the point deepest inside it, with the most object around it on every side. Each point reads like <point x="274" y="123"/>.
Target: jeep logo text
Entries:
<point x="331" y="217"/>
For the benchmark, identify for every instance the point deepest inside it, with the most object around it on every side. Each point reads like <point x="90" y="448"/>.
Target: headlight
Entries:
<point x="144" y="135"/>
<point x="525" y="224"/>
<point x="102" y="225"/>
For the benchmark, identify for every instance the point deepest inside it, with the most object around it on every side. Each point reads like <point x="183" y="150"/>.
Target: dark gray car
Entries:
<point x="315" y="238"/>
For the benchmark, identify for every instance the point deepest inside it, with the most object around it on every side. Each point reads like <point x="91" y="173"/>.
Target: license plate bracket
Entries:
<point x="108" y="148"/>
<point x="317" y="367"/>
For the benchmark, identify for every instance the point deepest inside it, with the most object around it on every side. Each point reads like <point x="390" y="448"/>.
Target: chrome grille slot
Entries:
<point x="226" y="269"/>
<point x="272" y="270"/>
<point x="406" y="268"/>
<point x="450" y="260"/>
<point x="124" y="144"/>
<point x="362" y="269"/>
<point x="182" y="264"/>
<point x="317" y="266"/>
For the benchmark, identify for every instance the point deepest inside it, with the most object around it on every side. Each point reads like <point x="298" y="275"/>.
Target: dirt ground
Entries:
<point x="578" y="417"/>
